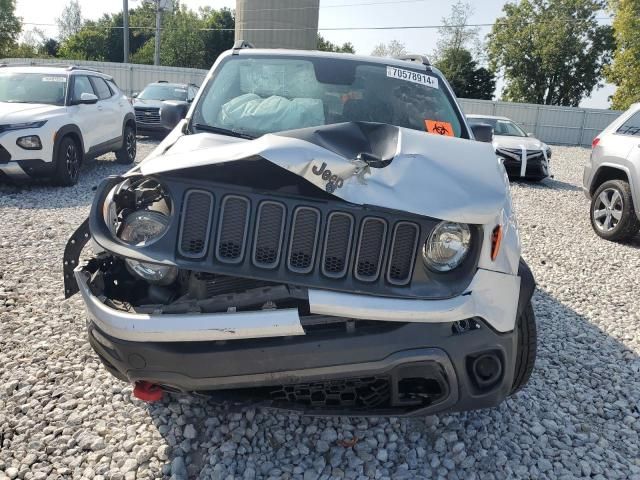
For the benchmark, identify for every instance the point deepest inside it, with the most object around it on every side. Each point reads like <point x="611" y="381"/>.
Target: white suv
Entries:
<point x="53" y="117"/>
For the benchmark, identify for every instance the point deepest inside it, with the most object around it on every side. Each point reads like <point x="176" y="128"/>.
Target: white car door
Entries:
<point x="86" y="115"/>
<point x="111" y="118"/>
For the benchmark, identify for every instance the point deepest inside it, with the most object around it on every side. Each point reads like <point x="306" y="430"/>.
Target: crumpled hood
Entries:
<point x="25" y="112"/>
<point x="529" y="143"/>
<point x="431" y="175"/>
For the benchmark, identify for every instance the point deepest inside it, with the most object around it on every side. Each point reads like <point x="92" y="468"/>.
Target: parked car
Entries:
<point x="523" y="155"/>
<point x="161" y="105"/>
<point x="611" y="179"/>
<point x="48" y="119"/>
<point x="302" y="241"/>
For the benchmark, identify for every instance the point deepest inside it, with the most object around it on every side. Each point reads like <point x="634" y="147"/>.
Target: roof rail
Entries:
<point x="415" y="58"/>
<point x="240" y="44"/>
<point x="162" y="81"/>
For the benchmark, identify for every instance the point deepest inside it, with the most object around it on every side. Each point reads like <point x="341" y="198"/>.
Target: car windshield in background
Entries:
<point x="258" y="95"/>
<point x="502" y="127"/>
<point x="163" y="92"/>
<point x="42" y="88"/>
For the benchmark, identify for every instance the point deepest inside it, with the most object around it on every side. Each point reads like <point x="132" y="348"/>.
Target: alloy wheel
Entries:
<point x="131" y="144"/>
<point x="607" y="209"/>
<point x="72" y="162"/>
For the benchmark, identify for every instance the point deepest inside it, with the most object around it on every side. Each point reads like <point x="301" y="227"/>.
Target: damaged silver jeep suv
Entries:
<point x="322" y="233"/>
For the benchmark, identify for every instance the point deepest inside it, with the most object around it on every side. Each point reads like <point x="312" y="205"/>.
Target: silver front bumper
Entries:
<point x="491" y="295"/>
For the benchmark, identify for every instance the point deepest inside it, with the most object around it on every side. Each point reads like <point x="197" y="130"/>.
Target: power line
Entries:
<point x="399" y="27"/>
<point x="309" y="7"/>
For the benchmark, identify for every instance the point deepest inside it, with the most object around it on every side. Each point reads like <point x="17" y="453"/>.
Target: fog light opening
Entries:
<point x="486" y="369"/>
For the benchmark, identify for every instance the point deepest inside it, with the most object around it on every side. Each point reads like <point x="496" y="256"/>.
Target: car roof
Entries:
<point x="56" y="69"/>
<point x="321" y="54"/>
<point x="492" y="117"/>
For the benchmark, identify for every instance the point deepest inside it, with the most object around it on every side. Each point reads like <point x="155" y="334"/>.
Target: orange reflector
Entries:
<point x="496" y="240"/>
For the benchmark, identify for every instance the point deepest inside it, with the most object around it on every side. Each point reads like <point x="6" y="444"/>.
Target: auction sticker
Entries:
<point x="439" y="128"/>
<point x="54" y="79"/>
<point x="411" y="76"/>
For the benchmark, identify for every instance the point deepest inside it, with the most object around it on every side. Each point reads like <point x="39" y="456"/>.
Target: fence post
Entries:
<point x="130" y="80"/>
<point x="584" y="124"/>
<point x="536" y="122"/>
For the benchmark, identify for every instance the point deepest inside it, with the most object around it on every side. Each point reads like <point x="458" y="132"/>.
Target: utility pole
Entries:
<point x="156" y="58"/>
<point x="125" y="29"/>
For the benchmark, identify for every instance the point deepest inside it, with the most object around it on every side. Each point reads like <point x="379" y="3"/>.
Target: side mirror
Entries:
<point x="482" y="132"/>
<point x="135" y="94"/>
<point x="87" y="99"/>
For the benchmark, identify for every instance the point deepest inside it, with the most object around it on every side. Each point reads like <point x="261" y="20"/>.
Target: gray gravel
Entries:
<point x="63" y="416"/>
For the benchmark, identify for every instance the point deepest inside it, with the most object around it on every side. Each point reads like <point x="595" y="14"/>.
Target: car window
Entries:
<point x="255" y="95"/>
<point x="501" y="127"/>
<point x="101" y="88"/>
<point x="45" y="88"/>
<point x="81" y="85"/>
<point x="112" y="85"/>
<point x="160" y="91"/>
<point x="631" y="126"/>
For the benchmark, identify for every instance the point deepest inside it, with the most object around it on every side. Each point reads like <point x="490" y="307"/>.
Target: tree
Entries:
<point x="466" y="78"/>
<point x="455" y="34"/>
<point x="327" y="46"/>
<point x="625" y="69"/>
<point x="453" y="55"/>
<point x="90" y="43"/>
<point x="550" y="52"/>
<point x="70" y="20"/>
<point x="393" y="49"/>
<point x="221" y="37"/>
<point x="10" y="25"/>
<point x="182" y="41"/>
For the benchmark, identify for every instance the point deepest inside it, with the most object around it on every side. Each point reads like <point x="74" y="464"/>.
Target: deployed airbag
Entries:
<point x="252" y="113"/>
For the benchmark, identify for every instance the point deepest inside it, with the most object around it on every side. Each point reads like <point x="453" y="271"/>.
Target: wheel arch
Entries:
<point x="129" y="119"/>
<point x="606" y="172"/>
<point x="65" y="131"/>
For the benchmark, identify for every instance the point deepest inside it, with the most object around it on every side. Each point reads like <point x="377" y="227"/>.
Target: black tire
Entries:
<point x="127" y="153"/>
<point x="67" y="162"/>
<point x="618" y="194"/>
<point x="527" y="344"/>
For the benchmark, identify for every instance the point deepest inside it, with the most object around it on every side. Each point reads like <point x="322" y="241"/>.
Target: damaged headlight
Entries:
<point x="143" y="228"/>
<point x="152" y="272"/>
<point x="447" y="246"/>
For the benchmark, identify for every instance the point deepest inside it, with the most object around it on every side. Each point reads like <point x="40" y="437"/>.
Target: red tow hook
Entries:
<point x="147" y="391"/>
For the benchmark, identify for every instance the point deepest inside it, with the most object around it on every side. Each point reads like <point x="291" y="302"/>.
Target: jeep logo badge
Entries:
<point x="333" y="181"/>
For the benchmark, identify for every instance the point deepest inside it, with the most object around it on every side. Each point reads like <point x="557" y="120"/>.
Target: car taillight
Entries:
<point x="595" y="142"/>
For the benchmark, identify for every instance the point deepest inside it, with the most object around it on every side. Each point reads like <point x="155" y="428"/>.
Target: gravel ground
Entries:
<point x="63" y="416"/>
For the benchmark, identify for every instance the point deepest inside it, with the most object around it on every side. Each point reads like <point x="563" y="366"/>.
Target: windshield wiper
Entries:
<point x="223" y="131"/>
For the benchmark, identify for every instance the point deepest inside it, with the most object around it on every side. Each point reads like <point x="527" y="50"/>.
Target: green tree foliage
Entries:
<point x="325" y="45"/>
<point x="551" y="52"/>
<point x="625" y="69"/>
<point x="466" y="78"/>
<point x="9" y="26"/>
<point x="188" y="38"/>
<point x="453" y="55"/>
<point x="70" y="21"/>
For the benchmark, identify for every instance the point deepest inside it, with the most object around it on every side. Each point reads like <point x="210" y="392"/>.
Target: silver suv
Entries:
<point x="611" y="179"/>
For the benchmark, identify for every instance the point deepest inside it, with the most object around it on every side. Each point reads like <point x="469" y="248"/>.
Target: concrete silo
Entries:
<point x="278" y="23"/>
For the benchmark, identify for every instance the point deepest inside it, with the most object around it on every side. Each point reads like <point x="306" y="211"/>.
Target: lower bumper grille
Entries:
<point x="365" y="392"/>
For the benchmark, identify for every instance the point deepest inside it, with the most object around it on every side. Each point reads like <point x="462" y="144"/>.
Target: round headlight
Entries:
<point x="142" y="228"/>
<point x="447" y="246"/>
<point x="152" y="272"/>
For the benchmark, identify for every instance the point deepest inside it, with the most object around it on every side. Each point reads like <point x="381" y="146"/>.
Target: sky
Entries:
<point x="333" y="14"/>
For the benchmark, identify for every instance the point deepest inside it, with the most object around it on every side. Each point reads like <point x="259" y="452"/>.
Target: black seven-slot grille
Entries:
<point x="265" y="233"/>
